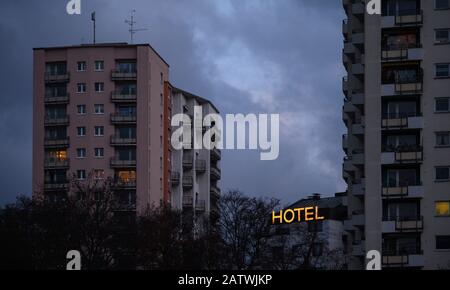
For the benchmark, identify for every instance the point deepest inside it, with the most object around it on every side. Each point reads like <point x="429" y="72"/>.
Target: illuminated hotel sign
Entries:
<point x="301" y="214"/>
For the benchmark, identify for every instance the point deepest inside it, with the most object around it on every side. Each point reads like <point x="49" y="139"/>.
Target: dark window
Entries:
<point x="442" y="242"/>
<point x="442" y="104"/>
<point x="442" y="173"/>
<point x="442" y="4"/>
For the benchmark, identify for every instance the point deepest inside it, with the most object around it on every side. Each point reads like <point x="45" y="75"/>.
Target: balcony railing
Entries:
<point x="56" y="142"/>
<point x="215" y="154"/>
<point x="119" y="141"/>
<point x="56" y="163"/>
<point x="121" y="97"/>
<point x="125" y="183"/>
<point x="175" y="178"/>
<point x="56" y="121"/>
<point x="215" y="173"/>
<point x="397" y="52"/>
<point x="63" y="99"/>
<point x="200" y="165"/>
<point x="188" y="160"/>
<point x="119" y="75"/>
<point x="405" y="223"/>
<point x="215" y="192"/>
<point x="188" y="181"/>
<point x="188" y="200"/>
<point x="407" y="17"/>
<point x="56" y="186"/>
<point x="115" y="162"/>
<point x="401" y="190"/>
<point x="57" y="77"/>
<point x="397" y="120"/>
<point x="123" y="118"/>
<point x="200" y="205"/>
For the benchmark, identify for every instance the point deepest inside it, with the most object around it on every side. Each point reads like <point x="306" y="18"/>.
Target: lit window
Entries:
<point x="81" y="109"/>
<point x="81" y="131"/>
<point x="99" y="152"/>
<point x="442" y="208"/>
<point x="99" y="87"/>
<point x="127" y="176"/>
<point x="61" y="154"/>
<point x="98" y="130"/>
<point x="99" y="65"/>
<point x="81" y="66"/>
<point x="81" y="88"/>
<point x="81" y="174"/>
<point x="99" y="109"/>
<point x="81" y="153"/>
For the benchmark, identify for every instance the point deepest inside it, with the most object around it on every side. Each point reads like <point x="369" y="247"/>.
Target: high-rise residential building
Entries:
<point x="397" y="112"/>
<point x="195" y="173"/>
<point x="102" y="109"/>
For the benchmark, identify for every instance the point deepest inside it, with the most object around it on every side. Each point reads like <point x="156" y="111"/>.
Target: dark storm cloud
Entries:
<point x="276" y="56"/>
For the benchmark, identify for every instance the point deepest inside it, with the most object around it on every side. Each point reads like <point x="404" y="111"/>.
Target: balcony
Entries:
<point x="349" y="48"/>
<point x="358" y="218"/>
<point x="120" y="118"/>
<point x="402" y="154"/>
<point x="56" y="186"/>
<point x="402" y="53"/>
<point x="215" y="192"/>
<point x="403" y="224"/>
<point x="345" y="142"/>
<point x="358" y="9"/>
<point x="412" y="17"/>
<point x="358" y="129"/>
<point x="119" y="141"/>
<point x="56" y="100"/>
<point x="188" y="181"/>
<point x="125" y="183"/>
<point x="188" y="200"/>
<point x="188" y="161"/>
<point x="345" y="85"/>
<point x="404" y="121"/>
<point x="348" y="165"/>
<point x="403" y="191"/>
<point x="359" y="187"/>
<point x="123" y="75"/>
<point x="359" y="249"/>
<point x="349" y="108"/>
<point x="117" y="163"/>
<point x="215" y="173"/>
<point x="56" y="121"/>
<point x="200" y="166"/>
<point x="56" y="142"/>
<point x="175" y="178"/>
<point x="215" y="154"/>
<point x="345" y="27"/>
<point x="394" y="260"/>
<point x="118" y="97"/>
<point x="200" y="205"/>
<point x="53" y="163"/>
<point x="51" y="78"/>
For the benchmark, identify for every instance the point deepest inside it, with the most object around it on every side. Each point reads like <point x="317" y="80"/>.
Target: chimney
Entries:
<point x="315" y="196"/>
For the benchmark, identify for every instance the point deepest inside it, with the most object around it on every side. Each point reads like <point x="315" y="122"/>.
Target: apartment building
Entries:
<point x="102" y="109"/>
<point x="195" y="173"/>
<point x="397" y="113"/>
<point x="327" y="238"/>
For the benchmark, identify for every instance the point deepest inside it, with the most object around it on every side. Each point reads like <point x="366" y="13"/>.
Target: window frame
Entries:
<point x="79" y="171"/>
<point x="441" y="201"/>
<point x="436" y="70"/>
<point x="83" y="111"/>
<point x="445" y="8"/>
<point x="99" y="149"/>
<point x="436" y="175"/>
<point x="442" y="133"/>
<point x="81" y="156"/>
<point x="81" y="85"/>
<point x="442" y="42"/>
<point x="99" y="85"/>
<point x="442" y="111"/>
<point x="101" y="128"/>
<point x="96" y="65"/>
<point x="83" y="66"/>
<point x="101" y="112"/>
<point x="83" y="128"/>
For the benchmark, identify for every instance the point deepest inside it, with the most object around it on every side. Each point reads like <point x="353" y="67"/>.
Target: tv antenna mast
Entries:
<point x="131" y="22"/>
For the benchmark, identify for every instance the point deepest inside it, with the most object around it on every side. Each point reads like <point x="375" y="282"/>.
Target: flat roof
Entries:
<point x="200" y="99"/>
<point x="112" y="44"/>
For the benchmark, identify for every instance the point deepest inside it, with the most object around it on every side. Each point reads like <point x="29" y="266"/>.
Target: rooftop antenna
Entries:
<point x="131" y="22"/>
<point x="93" y="20"/>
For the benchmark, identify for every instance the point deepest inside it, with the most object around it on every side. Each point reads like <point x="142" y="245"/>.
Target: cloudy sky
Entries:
<point x="247" y="56"/>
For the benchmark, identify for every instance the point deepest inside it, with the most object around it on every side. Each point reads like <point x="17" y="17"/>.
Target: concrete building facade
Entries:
<point x="396" y="110"/>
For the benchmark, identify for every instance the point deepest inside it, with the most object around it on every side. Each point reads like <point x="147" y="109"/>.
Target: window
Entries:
<point x="441" y="4"/>
<point x="81" y="131"/>
<point x="81" y="66"/>
<point x="99" y="131"/>
<point x="442" y="208"/>
<point x="442" y="70"/>
<point x="81" y="88"/>
<point x="162" y="78"/>
<point x="81" y="174"/>
<point x="99" y="65"/>
<point x="442" y="173"/>
<point x="441" y="35"/>
<point x="99" y="109"/>
<point x="442" y="105"/>
<point x="99" y="87"/>
<point x="99" y="152"/>
<point x="442" y="242"/>
<point x="99" y="174"/>
<point x="81" y="153"/>
<point x="443" y="139"/>
<point x="81" y="109"/>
